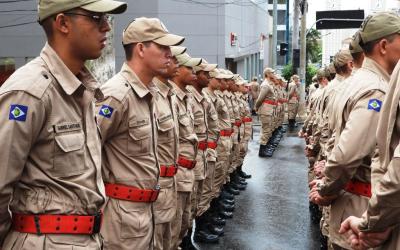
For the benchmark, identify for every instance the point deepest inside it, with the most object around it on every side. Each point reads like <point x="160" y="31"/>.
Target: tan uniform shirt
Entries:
<point x="224" y="123"/>
<point x="383" y="209"/>
<point x="187" y="138"/>
<point x="294" y="92"/>
<point x="212" y="121"/>
<point x="355" y="143"/>
<point x="50" y="156"/>
<point x="167" y="149"/>
<point x="266" y="93"/>
<point x="254" y="90"/>
<point x="199" y="107"/>
<point x="129" y="132"/>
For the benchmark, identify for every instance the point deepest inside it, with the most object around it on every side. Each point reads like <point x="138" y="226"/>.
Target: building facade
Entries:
<point x="231" y="34"/>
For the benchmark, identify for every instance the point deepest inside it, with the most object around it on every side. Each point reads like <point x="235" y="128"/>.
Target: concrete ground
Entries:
<point x="272" y="213"/>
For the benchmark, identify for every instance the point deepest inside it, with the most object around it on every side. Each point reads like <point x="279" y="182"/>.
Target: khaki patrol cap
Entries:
<point x="144" y="29"/>
<point x="185" y="60"/>
<point x="205" y="66"/>
<point x="354" y="45"/>
<point x="268" y="70"/>
<point x="215" y="73"/>
<point x="177" y="50"/>
<point x="48" y="8"/>
<point x="323" y="72"/>
<point x="342" y="57"/>
<point x="379" y="25"/>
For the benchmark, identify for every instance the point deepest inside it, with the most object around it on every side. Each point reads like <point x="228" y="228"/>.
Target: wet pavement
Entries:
<point x="272" y="213"/>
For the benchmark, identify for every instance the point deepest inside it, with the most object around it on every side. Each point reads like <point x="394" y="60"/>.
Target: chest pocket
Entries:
<point x="139" y="137"/>
<point x="166" y="129"/>
<point x="184" y="124"/>
<point x="69" y="154"/>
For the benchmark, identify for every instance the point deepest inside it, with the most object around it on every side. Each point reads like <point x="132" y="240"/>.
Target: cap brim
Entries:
<point x="192" y="62"/>
<point x="106" y="6"/>
<point x="169" y="40"/>
<point x="210" y="67"/>
<point x="177" y="50"/>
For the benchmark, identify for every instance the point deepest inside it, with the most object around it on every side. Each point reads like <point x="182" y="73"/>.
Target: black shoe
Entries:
<point x="225" y="214"/>
<point x="226" y="207"/>
<point x="239" y="180"/>
<point x="217" y="220"/>
<point x="232" y="190"/>
<point x="228" y="201"/>
<point x="262" y="151"/>
<point x="237" y="186"/>
<point x="187" y="243"/>
<point x="244" y="175"/>
<point x="205" y="236"/>
<point x="226" y="195"/>
<point x="217" y="230"/>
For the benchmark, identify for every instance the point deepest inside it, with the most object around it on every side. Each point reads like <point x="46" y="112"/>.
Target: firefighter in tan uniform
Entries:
<point x="127" y="120"/>
<point x="246" y="123"/>
<point x="188" y="147"/>
<point x="294" y="97"/>
<point x="347" y="181"/>
<point x="223" y="192"/>
<point x="167" y="151"/>
<point x="51" y="155"/>
<point x="283" y="100"/>
<point x="254" y="89"/>
<point x="265" y="106"/>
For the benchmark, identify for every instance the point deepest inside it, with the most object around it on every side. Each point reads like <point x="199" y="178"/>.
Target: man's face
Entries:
<point x="87" y="36"/>
<point x="393" y="53"/>
<point x="223" y="85"/>
<point x="172" y="69"/>
<point x="214" y="83"/>
<point x="186" y="75"/>
<point x="157" y="57"/>
<point x="203" y="78"/>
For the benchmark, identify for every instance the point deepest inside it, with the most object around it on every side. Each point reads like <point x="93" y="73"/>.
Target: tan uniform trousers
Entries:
<point x="129" y="224"/>
<point x="181" y="222"/>
<point x="293" y="108"/>
<point x="25" y="241"/>
<point x="207" y="192"/>
<point x="164" y="213"/>
<point x="266" y="128"/>
<point x="197" y="191"/>
<point x="222" y="164"/>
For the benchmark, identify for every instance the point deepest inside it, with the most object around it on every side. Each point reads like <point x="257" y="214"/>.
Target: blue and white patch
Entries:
<point x="18" y="112"/>
<point x="106" y="111"/>
<point x="375" y="104"/>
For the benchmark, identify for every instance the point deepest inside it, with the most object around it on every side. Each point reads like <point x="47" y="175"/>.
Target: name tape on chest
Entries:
<point x="375" y="104"/>
<point x="18" y="112"/>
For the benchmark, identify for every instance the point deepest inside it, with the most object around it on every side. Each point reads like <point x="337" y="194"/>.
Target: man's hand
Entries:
<point x="374" y="239"/>
<point x="316" y="198"/>
<point x="301" y="134"/>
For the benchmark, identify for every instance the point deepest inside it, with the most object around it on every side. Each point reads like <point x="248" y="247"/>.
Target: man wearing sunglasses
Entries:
<point x="51" y="174"/>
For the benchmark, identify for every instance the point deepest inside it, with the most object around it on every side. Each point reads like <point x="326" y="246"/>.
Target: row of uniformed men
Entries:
<point x="352" y="140"/>
<point x="166" y="145"/>
<point x="271" y="105"/>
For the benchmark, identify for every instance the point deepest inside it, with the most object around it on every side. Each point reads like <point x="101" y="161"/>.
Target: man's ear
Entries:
<point x="62" y="23"/>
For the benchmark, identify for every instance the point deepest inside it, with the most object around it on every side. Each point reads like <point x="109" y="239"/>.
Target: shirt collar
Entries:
<point x="136" y="84"/>
<point x="179" y="93"/>
<point x="210" y="93"/>
<point x="67" y="80"/>
<point x="195" y="93"/>
<point x="163" y="88"/>
<point x="376" y="68"/>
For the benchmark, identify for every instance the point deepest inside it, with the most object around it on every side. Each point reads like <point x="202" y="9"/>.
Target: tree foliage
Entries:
<point x="288" y="71"/>
<point x="314" y="47"/>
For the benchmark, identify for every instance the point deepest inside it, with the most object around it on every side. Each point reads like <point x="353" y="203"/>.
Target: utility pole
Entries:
<point x="274" y="32"/>
<point x="303" y="50"/>
<point x="295" y="33"/>
<point x="287" y="30"/>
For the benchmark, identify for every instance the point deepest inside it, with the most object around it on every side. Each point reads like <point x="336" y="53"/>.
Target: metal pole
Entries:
<point x="287" y="31"/>
<point x="303" y="51"/>
<point x="295" y="34"/>
<point x="274" y="33"/>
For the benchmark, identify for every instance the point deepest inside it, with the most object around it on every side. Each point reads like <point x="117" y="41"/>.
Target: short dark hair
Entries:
<point x="128" y="48"/>
<point x="369" y="46"/>
<point x="47" y="25"/>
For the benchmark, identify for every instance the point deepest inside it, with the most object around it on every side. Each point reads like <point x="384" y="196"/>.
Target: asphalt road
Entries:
<point x="272" y="213"/>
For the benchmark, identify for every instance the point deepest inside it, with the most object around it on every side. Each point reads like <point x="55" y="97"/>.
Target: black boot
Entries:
<point x="187" y="242"/>
<point x="232" y="190"/>
<point x="202" y="234"/>
<point x="242" y="173"/>
<point x="262" y="151"/>
<point x="226" y="195"/>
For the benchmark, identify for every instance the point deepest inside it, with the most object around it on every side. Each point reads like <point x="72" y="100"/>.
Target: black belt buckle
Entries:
<point x="97" y="223"/>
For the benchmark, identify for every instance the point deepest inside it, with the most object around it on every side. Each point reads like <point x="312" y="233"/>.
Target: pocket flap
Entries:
<point x="140" y="129"/>
<point x="70" y="142"/>
<point x="165" y="125"/>
<point x="184" y="120"/>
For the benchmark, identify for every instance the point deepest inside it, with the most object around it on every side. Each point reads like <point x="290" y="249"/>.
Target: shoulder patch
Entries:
<point x="375" y="104"/>
<point x="18" y="112"/>
<point x="106" y="111"/>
